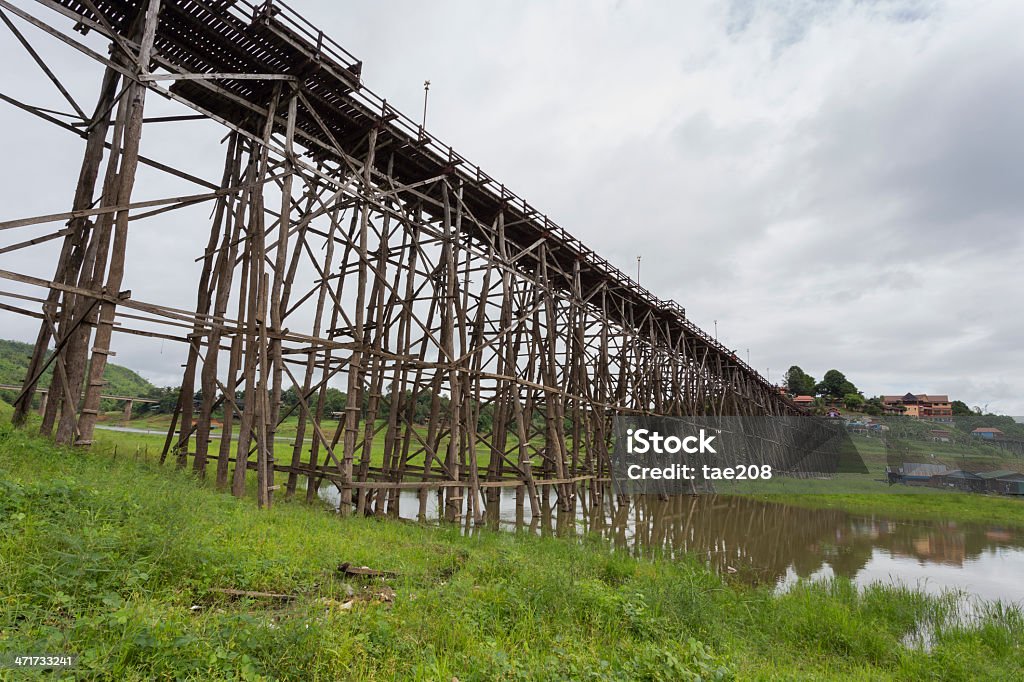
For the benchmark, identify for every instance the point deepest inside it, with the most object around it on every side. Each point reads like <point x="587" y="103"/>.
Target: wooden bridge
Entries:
<point x="480" y="345"/>
<point x="129" y="401"/>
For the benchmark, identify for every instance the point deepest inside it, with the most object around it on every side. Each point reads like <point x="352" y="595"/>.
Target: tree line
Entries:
<point x="835" y="386"/>
<point x="333" y="406"/>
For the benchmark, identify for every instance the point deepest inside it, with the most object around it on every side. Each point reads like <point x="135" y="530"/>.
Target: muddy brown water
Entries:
<point x="778" y="544"/>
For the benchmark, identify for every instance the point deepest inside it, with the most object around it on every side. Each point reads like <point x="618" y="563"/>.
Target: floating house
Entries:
<point x="920" y="474"/>
<point x="996" y="481"/>
<point x="1011" y="485"/>
<point x="962" y="480"/>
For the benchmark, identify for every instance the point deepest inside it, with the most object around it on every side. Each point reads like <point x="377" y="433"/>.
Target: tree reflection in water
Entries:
<point x="765" y="542"/>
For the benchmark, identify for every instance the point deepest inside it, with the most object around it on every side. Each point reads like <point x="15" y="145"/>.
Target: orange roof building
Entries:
<point x="921" y="406"/>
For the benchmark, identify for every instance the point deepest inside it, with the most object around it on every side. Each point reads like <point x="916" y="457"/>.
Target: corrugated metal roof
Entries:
<point x="960" y="473"/>
<point x="919" y="469"/>
<point x="999" y="473"/>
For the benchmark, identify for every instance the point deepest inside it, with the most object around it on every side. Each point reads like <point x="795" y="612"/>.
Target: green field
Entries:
<point x="152" y="444"/>
<point x="923" y="504"/>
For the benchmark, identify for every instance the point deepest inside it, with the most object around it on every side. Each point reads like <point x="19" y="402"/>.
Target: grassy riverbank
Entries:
<point x="120" y="562"/>
<point x="923" y="504"/>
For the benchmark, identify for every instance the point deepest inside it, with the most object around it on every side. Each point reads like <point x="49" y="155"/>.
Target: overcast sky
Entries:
<point x="837" y="184"/>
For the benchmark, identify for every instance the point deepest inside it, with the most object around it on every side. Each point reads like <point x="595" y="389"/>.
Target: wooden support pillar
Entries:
<point x="223" y="237"/>
<point x="69" y="262"/>
<point x="453" y="495"/>
<point x="314" y="414"/>
<point x="277" y="303"/>
<point x="135" y="99"/>
<point x="353" y="405"/>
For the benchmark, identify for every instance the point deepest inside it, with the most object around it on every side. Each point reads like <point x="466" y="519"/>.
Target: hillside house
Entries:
<point x="935" y="408"/>
<point x="987" y="433"/>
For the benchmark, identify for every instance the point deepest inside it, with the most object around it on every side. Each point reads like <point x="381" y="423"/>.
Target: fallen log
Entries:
<point x="347" y="568"/>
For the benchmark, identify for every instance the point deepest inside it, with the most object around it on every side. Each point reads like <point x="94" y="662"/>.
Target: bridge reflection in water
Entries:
<point x="775" y="544"/>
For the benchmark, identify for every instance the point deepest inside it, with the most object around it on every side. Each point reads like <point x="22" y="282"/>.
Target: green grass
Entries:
<point x="924" y="504"/>
<point x="114" y="559"/>
<point x="855" y="493"/>
<point x="282" y="448"/>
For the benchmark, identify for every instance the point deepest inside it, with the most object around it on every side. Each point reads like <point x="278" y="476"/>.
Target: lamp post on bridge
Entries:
<point x="426" y="91"/>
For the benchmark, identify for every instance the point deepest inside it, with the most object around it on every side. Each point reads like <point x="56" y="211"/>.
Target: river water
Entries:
<point x="777" y="544"/>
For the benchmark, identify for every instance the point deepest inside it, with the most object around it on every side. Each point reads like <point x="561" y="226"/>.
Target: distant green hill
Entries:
<point x="14" y="357"/>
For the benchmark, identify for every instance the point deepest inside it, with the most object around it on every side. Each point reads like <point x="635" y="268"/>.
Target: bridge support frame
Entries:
<point x="480" y="347"/>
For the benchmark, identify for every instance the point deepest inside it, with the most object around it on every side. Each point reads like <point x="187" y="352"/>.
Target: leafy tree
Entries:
<point x="166" y="397"/>
<point x="334" y="401"/>
<point x="818" y="407"/>
<point x="853" y="401"/>
<point x="799" y="382"/>
<point x="486" y="420"/>
<point x="835" y="385"/>
<point x="960" y="409"/>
